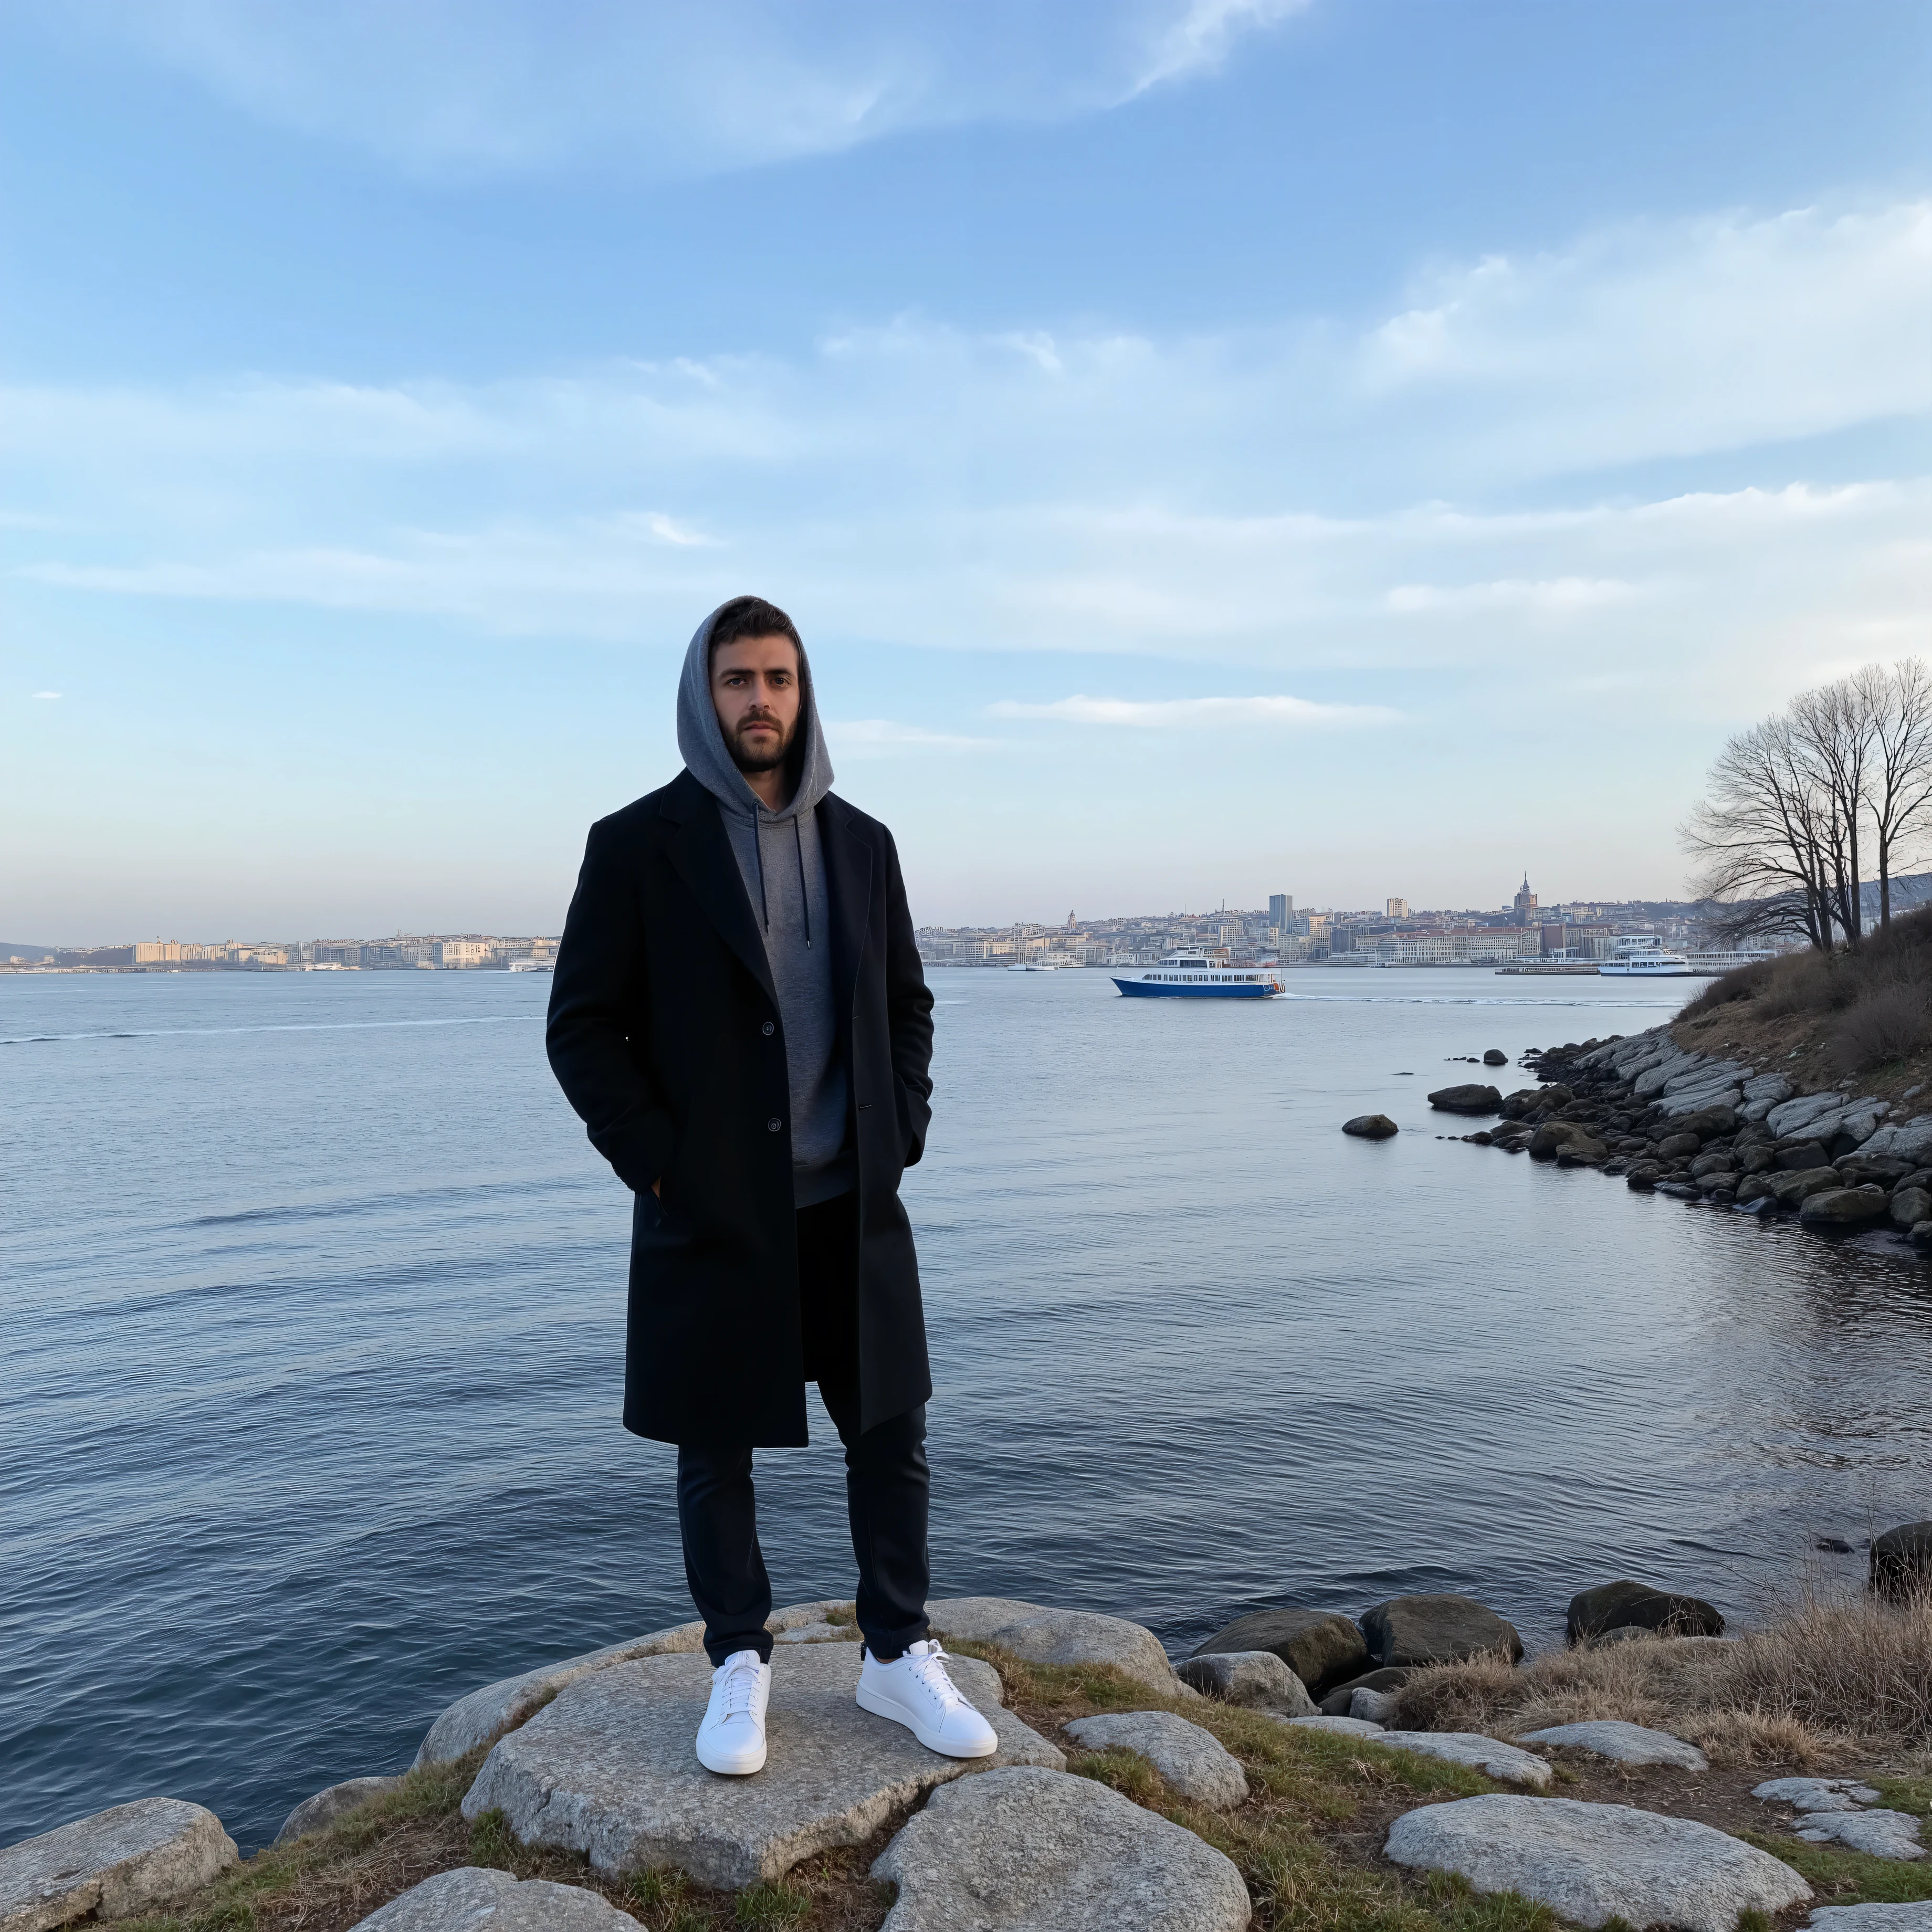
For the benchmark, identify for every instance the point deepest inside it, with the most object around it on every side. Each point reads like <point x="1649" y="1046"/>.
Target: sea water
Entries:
<point x="313" y="1353"/>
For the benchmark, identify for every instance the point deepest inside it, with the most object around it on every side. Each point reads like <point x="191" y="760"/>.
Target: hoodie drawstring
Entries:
<point x="804" y="890"/>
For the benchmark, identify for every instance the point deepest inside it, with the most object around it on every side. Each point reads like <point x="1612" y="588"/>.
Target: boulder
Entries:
<point x="112" y="1865"/>
<point x="1622" y="1743"/>
<point x="1624" y="1604"/>
<point x="1645" y="1174"/>
<point x="1791" y="1189"/>
<point x="1322" y="1648"/>
<point x="1591" y="1863"/>
<point x="1844" y="1206"/>
<point x="1558" y="1137"/>
<point x="1192" y="1762"/>
<point x="1677" y="1147"/>
<point x="1505" y="1762"/>
<point x="1256" y="1679"/>
<point x="1794" y="1156"/>
<point x="1043" y="1635"/>
<point x="1901" y="1559"/>
<point x="1378" y="1706"/>
<point x="1340" y="1702"/>
<point x="1756" y="1187"/>
<point x="1524" y="1100"/>
<point x="1494" y="1056"/>
<point x="1910" y="1206"/>
<point x="1347" y="1727"/>
<point x="1880" y="1834"/>
<point x="1036" y="1851"/>
<point x="1722" y="1161"/>
<point x="1471" y="1098"/>
<point x="1817" y="1794"/>
<point x="1920" y="1233"/>
<point x="1708" y="1123"/>
<point x="1371" y="1126"/>
<point x="608" y="1769"/>
<point x="317" y="1813"/>
<point x="1437" y="1630"/>
<point x="1915" y="1917"/>
<point x="474" y="1899"/>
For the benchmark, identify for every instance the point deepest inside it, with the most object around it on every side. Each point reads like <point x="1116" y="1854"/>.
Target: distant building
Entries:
<point x="157" y="951"/>
<point x="1525" y="904"/>
<point x="1395" y="909"/>
<point x="463" y="952"/>
<point x="1281" y="908"/>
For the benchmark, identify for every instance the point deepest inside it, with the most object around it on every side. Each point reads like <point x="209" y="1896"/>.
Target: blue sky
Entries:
<point x="1212" y="447"/>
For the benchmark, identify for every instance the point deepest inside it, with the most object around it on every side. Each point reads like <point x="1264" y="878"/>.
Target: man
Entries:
<point x="740" y="1017"/>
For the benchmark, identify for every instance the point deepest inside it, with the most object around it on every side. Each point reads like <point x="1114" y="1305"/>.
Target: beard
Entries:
<point x="760" y="755"/>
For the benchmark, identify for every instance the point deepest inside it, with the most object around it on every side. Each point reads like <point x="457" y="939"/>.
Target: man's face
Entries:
<point x="755" y="691"/>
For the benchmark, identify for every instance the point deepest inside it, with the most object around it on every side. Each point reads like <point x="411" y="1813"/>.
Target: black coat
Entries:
<point x="665" y="1035"/>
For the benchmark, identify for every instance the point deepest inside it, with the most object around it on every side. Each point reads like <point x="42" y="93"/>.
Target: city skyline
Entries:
<point x="1200" y="440"/>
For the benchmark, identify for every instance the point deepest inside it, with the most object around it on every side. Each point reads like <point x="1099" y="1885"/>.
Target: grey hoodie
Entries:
<point x="783" y="867"/>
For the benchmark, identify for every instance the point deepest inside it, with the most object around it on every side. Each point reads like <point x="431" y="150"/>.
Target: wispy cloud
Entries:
<point x="883" y="737"/>
<point x="1195" y="713"/>
<point x="1103" y="493"/>
<point x="47" y="693"/>
<point x="677" y="87"/>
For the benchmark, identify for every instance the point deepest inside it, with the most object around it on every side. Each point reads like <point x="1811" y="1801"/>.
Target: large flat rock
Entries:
<point x="483" y="1714"/>
<point x="1040" y="1634"/>
<point x="1490" y="1755"/>
<point x="1347" y="1727"/>
<point x="1817" y="1794"/>
<point x="118" y="1862"/>
<point x="609" y="1769"/>
<point x="1883" y="1834"/>
<point x="1623" y="1743"/>
<point x="1591" y="1863"/>
<point x="495" y="1707"/>
<point x="1915" y="1917"/>
<point x="1036" y="1851"/>
<point x="472" y="1899"/>
<point x="1193" y="1763"/>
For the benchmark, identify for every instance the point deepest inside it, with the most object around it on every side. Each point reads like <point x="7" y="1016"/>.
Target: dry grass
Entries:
<point x="1889" y="1023"/>
<point x="1824" y="1681"/>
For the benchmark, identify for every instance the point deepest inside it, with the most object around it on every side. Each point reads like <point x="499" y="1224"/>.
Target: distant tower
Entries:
<point x="1069" y="916"/>
<point x="1281" y="908"/>
<point x="1395" y="909"/>
<point x="1525" y="903"/>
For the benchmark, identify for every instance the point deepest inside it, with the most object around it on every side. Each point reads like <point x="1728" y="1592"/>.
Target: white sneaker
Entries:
<point x="732" y="1738"/>
<point x="914" y="1690"/>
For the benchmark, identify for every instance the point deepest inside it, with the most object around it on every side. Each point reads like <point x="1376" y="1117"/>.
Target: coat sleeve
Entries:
<point x="908" y="1008"/>
<point x="598" y="1005"/>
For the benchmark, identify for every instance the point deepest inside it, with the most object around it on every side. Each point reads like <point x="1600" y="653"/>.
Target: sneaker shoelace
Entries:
<point x="929" y="1671"/>
<point x="740" y="1687"/>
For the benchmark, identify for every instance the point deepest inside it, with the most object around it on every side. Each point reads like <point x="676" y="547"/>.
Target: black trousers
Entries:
<point x="888" y="1486"/>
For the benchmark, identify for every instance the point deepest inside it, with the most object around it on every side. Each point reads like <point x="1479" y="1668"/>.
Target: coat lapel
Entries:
<point x="848" y="883"/>
<point x="701" y="852"/>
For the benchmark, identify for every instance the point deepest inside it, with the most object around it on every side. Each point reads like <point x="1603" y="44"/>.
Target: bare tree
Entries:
<point x="1767" y="845"/>
<point x="1835" y="730"/>
<point x="1897" y="790"/>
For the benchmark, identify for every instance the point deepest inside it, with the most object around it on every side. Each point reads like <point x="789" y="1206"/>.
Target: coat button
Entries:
<point x="770" y="1028"/>
<point x="773" y="1124"/>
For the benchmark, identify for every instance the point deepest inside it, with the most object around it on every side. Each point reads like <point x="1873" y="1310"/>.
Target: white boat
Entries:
<point x="1192" y="975"/>
<point x="532" y="966"/>
<point x="1647" y="966"/>
<point x="1032" y="966"/>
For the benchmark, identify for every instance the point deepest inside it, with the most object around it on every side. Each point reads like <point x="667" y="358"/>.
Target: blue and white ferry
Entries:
<point x="1190" y="975"/>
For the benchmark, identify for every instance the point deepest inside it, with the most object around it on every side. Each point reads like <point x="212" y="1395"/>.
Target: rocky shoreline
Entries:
<point x="1669" y="1119"/>
<point x="1128" y="1790"/>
